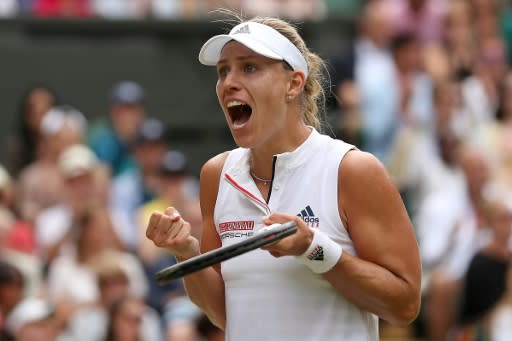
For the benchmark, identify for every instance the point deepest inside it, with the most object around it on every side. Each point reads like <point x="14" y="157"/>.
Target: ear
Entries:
<point x="295" y="85"/>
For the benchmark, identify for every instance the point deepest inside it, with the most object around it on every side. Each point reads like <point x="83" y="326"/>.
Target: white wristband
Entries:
<point x="323" y="253"/>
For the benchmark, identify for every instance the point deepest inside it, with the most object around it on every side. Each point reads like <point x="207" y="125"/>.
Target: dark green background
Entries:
<point x="82" y="59"/>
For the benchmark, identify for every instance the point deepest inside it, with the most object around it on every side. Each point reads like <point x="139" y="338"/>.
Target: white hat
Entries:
<point x="76" y="160"/>
<point x="30" y="309"/>
<point x="260" y="38"/>
<point x="63" y="116"/>
<point x="127" y="92"/>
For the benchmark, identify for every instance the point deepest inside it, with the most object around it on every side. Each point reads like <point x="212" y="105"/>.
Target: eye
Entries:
<point x="249" y="68"/>
<point x="222" y="71"/>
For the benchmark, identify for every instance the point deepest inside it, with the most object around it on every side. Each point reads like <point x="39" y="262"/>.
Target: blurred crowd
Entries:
<point x="75" y="198"/>
<point x="426" y="86"/>
<point x="170" y="9"/>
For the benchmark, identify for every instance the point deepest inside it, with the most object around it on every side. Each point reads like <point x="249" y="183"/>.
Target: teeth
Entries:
<point x="234" y="103"/>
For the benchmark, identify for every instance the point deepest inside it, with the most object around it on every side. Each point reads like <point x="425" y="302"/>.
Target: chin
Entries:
<point x="242" y="141"/>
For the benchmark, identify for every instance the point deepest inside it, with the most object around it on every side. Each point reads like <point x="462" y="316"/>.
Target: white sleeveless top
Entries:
<point x="280" y="299"/>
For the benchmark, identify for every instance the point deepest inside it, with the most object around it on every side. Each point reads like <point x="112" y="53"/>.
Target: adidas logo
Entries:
<point x="317" y="253"/>
<point x="309" y="217"/>
<point x="243" y="29"/>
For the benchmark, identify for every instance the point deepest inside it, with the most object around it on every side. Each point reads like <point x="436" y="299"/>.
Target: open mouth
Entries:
<point x="239" y="112"/>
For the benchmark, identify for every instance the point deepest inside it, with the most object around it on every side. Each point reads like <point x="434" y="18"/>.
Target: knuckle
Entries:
<point x="162" y="242"/>
<point x="156" y="241"/>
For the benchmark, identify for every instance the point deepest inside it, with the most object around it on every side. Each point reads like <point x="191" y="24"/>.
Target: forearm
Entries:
<point x="375" y="289"/>
<point x="206" y="289"/>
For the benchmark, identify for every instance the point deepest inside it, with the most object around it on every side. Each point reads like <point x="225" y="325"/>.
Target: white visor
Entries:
<point x="262" y="39"/>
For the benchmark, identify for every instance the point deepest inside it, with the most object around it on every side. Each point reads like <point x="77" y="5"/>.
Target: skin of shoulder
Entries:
<point x="209" y="186"/>
<point x="368" y="194"/>
<point x="378" y="223"/>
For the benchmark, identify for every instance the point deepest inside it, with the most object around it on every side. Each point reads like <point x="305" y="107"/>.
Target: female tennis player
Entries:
<point x="354" y="257"/>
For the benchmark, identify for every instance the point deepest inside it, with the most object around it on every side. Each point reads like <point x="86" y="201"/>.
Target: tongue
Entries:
<point x="241" y="114"/>
<point x="241" y="119"/>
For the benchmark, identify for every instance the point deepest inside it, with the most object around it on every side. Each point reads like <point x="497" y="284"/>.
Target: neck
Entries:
<point x="286" y="139"/>
<point x="261" y="157"/>
<point x="265" y="182"/>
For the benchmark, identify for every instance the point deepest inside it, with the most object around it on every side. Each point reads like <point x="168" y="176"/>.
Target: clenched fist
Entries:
<point x="168" y="230"/>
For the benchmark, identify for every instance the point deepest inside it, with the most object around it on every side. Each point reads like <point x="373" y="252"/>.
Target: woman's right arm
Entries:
<point x="168" y="230"/>
<point x="206" y="288"/>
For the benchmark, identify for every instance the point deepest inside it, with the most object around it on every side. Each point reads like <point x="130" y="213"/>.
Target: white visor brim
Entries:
<point x="260" y="38"/>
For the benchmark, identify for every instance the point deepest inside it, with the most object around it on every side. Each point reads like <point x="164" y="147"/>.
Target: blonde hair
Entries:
<point x="313" y="96"/>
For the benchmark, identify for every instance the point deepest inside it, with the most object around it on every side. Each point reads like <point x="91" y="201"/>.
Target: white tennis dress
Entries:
<point x="280" y="299"/>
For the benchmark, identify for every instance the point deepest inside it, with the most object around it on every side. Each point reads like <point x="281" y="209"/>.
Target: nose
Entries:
<point x="231" y="81"/>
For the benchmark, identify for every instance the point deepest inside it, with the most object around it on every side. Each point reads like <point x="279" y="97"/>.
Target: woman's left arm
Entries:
<point x="385" y="276"/>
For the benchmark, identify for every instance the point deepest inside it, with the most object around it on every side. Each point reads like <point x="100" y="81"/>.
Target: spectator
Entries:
<point x="40" y="184"/>
<point x="180" y="318"/>
<point x="126" y="318"/>
<point x="174" y="191"/>
<point x="415" y="86"/>
<point x="451" y="230"/>
<point x="32" y="320"/>
<point x="416" y="146"/>
<point x="435" y="62"/>
<point x="480" y="90"/>
<point x="421" y="18"/>
<point x="485" y="15"/>
<point x="496" y="136"/>
<point x="70" y="275"/>
<point x="72" y="281"/>
<point x="140" y="184"/>
<point x="28" y="265"/>
<point x="80" y="170"/>
<point x="23" y="145"/>
<point x="349" y="125"/>
<point x="369" y="64"/>
<point x="11" y="293"/>
<point x="111" y="140"/>
<point x="485" y="281"/>
<point x="500" y="321"/>
<point x="458" y="38"/>
<point x="90" y="322"/>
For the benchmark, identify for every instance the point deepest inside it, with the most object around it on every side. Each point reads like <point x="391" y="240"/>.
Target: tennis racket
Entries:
<point x="266" y="236"/>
